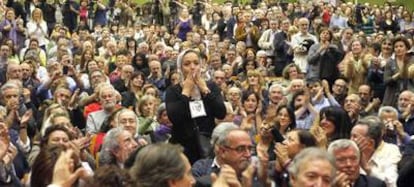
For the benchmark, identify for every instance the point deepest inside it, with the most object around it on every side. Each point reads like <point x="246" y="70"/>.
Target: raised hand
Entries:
<point x="366" y="147"/>
<point x="4" y="146"/>
<point x="10" y="154"/>
<point x="64" y="173"/>
<point x="320" y="136"/>
<point x="281" y="153"/>
<point x="326" y="88"/>
<point x="24" y="120"/>
<point x="341" y="180"/>
<point x="188" y="85"/>
<point x="247" y="176"/>
<point x="74" y="99"/>
<point x="227" y="178"/>
<point x="200" y="82"/>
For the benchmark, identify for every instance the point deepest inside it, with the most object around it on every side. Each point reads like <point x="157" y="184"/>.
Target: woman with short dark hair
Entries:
<point x="295" y="142"/>
<point x="396" y="74"/>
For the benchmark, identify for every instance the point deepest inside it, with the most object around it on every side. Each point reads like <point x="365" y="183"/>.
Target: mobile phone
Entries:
<point x="65" y="70"/>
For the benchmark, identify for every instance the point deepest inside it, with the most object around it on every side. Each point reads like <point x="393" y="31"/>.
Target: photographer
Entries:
<point x="60" y="74"/>
<point x="394" y="130"/>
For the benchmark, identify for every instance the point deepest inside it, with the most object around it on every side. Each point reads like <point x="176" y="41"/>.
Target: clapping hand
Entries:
<point x="227" y="178"/>
<point x="341" y="180"/>
<point x="188" y="85"/>
<point x="64" y="173"/>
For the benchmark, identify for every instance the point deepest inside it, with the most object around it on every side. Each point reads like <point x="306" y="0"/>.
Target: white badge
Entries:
<point x="197" y="109"/>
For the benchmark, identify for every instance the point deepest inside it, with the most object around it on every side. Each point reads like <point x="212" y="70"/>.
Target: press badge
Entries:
<point x="197" y="109"/>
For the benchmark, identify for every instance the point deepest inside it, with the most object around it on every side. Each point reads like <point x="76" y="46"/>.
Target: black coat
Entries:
<point x="186" y="130"/>
<point x="367" y="181"/>
<point x="282" y="56"/>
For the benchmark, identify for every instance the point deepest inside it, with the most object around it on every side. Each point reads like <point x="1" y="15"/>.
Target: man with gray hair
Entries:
<point x="232" y="147"/>
<point x="266" y="41"/>
<point x="301" y="42"/>
<point x="378" y="158"/>
<point x="108" y="99"/>
<point x="121" y="84"/>
<point x="14" y="111"/>
<point x="276" y="96"/>
<point x="404" y="100"/>
<point x="312" y="167"/>
<point x="394" y="130"/>
<point x="117" y="146"/>
<point x="347" y="159"/>
<point x="205" y="167"/>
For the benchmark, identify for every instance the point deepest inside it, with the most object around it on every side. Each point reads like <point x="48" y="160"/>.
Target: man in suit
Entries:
<point x="266" y="41"/>
<point x="232" y="147"/>
<point x="347" y="160"/>
<point x="282" y="48"/>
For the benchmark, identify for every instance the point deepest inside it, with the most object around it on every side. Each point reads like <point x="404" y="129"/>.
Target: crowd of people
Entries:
<point x="265" y="93"/>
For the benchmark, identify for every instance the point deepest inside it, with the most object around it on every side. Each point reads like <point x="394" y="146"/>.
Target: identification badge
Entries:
<point x="197" y="109"/>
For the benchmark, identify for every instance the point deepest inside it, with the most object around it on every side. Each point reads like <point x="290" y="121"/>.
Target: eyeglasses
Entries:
<point x="340" y="86"/>
<point x="242" y="148"/>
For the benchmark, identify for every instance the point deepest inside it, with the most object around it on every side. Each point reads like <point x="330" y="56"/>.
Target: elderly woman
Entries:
<point x="117" y="146"/>
<point x="124" y="118"/>
<point x="323" y="59"/>
<point x="355" y="65"/>
<point x="396" y="73"/>
<point x="192" y="106"/>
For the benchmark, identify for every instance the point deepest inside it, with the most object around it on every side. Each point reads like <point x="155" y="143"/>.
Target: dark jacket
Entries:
<point x="393" y="87"/>
<point x="367" y="181"/>
<point x="186" y="130"/>
<point x="282" y="56"/>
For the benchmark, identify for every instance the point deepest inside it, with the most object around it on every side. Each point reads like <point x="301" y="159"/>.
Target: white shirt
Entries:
<point x="39" y="33"/>
<point x="384" y="163"/>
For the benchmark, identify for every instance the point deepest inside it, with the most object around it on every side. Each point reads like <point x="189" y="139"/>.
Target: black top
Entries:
<point x="179" y="112"/>
<point x="367" y="181"/>
<point x="186" y="130"/>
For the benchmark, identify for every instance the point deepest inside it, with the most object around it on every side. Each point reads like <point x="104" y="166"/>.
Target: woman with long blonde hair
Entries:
<point x="256" y="83"/>
<point x="37" y="27"/>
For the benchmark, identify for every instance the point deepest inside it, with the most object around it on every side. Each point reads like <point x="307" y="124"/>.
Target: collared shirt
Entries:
<point x="95" y="121"/>
<point x="305" y="120"/>
<point x="324" y="102"/>
<point x="384" y="163"/>
<point x="215" y="163"/>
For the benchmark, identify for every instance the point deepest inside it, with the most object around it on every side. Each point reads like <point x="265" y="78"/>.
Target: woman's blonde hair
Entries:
<point x="145" y="99"/>
<point x="41" y="15"/>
